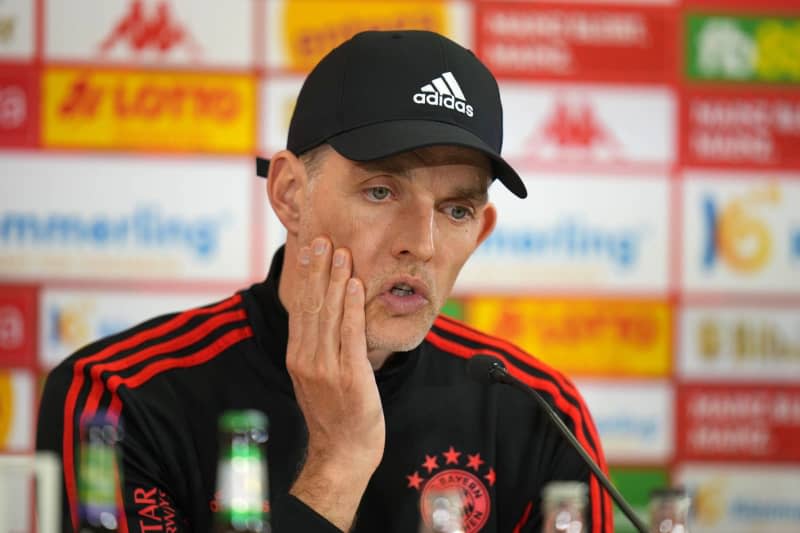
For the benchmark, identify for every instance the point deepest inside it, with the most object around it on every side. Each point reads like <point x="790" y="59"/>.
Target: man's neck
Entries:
<point x="377" y="358"/>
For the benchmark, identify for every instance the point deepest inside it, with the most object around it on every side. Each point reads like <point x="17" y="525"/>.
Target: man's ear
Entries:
<point x="286" y="182"/>
<point x="489" y="220"/>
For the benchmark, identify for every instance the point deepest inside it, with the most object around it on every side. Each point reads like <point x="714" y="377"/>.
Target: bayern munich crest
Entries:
<point x="453" y="491"/>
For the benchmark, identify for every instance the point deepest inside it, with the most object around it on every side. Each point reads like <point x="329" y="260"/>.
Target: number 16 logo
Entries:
<point x="734" y="235"/>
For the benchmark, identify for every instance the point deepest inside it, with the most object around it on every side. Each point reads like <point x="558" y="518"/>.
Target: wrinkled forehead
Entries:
<point x="433" y="156"/>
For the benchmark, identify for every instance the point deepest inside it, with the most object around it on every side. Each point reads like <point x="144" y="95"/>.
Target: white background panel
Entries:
<point x="70" y="319"/>
<point x="742" y="498"/>
<point x="178" y="32"/>
<point x="16" y="22"/>
<point x="634" y="419"/>
<point x="278" y="95"/>
<point x="740" y="343"/>
<point x="125" y="218"/>
<point x="762" y="212"/>
<point x="571" y="123"/>
<point x="599" y="234"/>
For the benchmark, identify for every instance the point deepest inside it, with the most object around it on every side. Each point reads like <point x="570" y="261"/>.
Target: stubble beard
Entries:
<point x="390" y="334"/>
<point x="407" y="334"/>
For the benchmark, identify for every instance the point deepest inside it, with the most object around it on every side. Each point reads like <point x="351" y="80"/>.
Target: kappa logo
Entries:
<point x="157" y="31"/>
<point x="454" y="499"/>
<point x="444" y="91"/>
<point x="573" y="132"/>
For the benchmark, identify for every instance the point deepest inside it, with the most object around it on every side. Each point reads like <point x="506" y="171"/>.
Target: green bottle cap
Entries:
<point x="243" y="420"/>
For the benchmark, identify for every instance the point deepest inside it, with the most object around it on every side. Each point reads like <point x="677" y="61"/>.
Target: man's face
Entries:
<point x="410" y="222"/>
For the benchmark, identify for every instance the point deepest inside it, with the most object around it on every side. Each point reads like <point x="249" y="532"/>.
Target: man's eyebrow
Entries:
<point x="477" y="194"/>
<point x="384" y="166"/>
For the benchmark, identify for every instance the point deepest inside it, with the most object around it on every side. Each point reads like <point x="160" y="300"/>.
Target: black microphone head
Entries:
<point x="480" y="366"/>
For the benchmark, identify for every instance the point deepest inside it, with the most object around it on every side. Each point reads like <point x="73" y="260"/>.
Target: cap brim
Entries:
<point x="385" y="139"/>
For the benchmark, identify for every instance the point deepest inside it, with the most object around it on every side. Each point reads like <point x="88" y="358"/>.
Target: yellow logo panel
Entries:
<point x="582" y="337"/>
<point x="312" y="28"/>
<point x="148" y="110"/>
<point x="6" y="407"/>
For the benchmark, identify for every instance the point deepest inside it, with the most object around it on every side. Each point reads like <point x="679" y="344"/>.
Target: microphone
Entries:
<point x="487" y="369"/>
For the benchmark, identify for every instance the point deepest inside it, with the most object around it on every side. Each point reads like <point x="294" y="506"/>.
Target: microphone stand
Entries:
<point x="501" y="375"/>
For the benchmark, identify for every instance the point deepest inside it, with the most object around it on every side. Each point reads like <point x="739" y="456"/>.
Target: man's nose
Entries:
<point x="415" y="232"/>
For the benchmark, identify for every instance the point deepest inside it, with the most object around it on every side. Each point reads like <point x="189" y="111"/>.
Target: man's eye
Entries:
<point x="379" y="193"/>
<point x="459" y="212"/>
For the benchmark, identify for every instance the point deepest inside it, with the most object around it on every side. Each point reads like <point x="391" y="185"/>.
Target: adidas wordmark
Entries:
<point x="444" y="91"/>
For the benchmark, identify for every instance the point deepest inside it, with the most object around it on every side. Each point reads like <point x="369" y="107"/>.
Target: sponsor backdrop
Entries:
<point x="656" y="261"/>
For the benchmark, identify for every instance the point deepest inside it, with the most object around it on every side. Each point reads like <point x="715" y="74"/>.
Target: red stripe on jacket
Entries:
<point x="110" y="351"/>
<point x="577" y="414"/>
<point x="173" y="345"/>
<point x="459" y="328"/>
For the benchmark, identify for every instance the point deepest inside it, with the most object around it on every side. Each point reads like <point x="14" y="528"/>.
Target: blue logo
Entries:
<point x="570" y="239"/>
<point x="621" y="425"/>
<point x="762" y="511"/>
<point x="145" y="227"/>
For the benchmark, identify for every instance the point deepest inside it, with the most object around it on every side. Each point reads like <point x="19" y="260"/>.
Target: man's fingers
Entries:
<point x="295" y="340"/>
<point x="318" y="275"/>
<point x="353" y="333"/>
<point x="316" y="284"/>
<point x="330" y="318"/>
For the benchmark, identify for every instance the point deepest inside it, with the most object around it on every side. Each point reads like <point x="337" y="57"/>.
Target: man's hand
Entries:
<point x="334" y="384"/>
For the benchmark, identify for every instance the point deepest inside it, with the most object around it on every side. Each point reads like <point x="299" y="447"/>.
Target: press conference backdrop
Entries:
<point x="656" y="261"/>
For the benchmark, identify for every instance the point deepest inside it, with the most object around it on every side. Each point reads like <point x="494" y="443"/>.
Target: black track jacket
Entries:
<point x="170" y="378"/>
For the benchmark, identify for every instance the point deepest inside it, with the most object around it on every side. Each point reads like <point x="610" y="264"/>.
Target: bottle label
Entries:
<point x="98" y="484"/>
<point x="242" y="483"/>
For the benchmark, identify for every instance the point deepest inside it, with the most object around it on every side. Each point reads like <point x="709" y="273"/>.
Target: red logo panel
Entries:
<point x="577" y="42"/>
<point x="19" y="106"/>
<point x="17" y="326"/>
<point x="738" y="423"/>
<point x="740" y="129"/>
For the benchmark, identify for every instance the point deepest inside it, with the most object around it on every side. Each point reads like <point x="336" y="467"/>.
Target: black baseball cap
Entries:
<point x="386" y="92"/>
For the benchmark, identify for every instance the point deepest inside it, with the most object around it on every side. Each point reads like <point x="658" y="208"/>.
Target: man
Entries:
<point x="383" y="192"/>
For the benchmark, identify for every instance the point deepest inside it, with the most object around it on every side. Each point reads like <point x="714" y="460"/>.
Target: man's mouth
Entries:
<point x="402" y="289"/>
<point x="405" y="286"/>
<point x="404" y="295"/>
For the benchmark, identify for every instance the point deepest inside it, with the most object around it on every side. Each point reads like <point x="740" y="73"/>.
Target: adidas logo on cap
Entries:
<point x="444" y="91"/>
